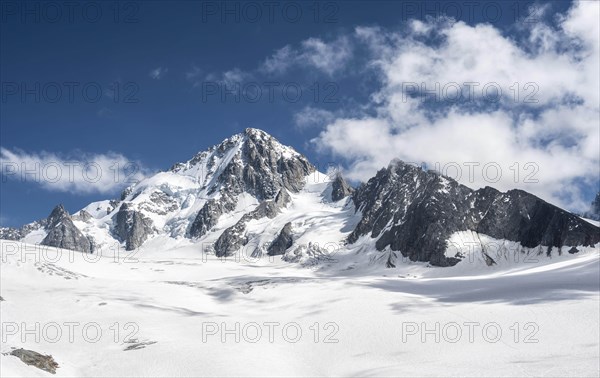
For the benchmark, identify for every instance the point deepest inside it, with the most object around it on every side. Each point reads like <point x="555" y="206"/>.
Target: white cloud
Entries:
<point x="327" y="57"/>
<point x="80" y="173"/>
<point x="193" y="73"/>
<point x="234" y="76"/>
<point x="559" y="133"/>
<point x="312" y="117"/>
<point x="158" y="73"/>
<point x="280" y="61"/>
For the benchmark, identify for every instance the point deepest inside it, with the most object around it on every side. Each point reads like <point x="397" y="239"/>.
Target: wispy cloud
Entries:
<point x="328" y="57"/>
<point x="229" y="78"/>
<point x="105" y="112"/>
<point x="158" y="73"/>
<point x="309" y="117"/>
<point x="79" y="173"/>
<point x="280" y="61"/>
<point x="194" y="73"/>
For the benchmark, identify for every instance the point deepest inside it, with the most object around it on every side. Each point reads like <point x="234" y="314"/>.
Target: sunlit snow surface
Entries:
<point x="182" y="307"/>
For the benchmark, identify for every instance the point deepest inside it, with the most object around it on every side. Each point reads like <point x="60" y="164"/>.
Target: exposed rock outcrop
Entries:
<point x="62" y="233"/>
<point x="209" y="215"/>
<point x="40" y="361"/>
<point x="82" y="215"/>
<point x="340" y="188"/>
<point x="132" y="227"/>
<point x="234" y="237"/>
<point x="283" y="241"/>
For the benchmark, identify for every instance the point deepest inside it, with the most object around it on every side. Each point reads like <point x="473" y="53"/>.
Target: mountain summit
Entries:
<point x="252" y="194"/>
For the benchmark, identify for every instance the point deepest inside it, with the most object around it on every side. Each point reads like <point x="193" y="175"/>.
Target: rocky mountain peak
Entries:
<point x="57" y="215"/>
<point x="252" y="161"/>
<point x="63" y="233"/>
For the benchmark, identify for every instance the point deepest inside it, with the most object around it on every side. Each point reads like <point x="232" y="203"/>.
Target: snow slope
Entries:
<point x="177" y="304"/>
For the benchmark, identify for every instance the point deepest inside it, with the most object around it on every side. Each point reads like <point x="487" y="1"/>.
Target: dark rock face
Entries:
<point x="209" y="214"/>
<point x="62" y="233"/>
<point x="36" y="359"/>
<point x="234" y="237"/>
<point x="411" y="211"/>
<point x="56" y="216"/>
<point x="415" y="212"/>
<point x="267" y="169"/>
<point x="340" y="188"/>
<point x="283" y="241"/>
<point x="270" y="208"/>
<point x="132" y="227"/>
<point x="519" y="216"/>
<point x="231" y="239"/>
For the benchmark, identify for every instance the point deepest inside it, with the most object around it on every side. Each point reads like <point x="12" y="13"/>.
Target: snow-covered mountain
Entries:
<point x="250" y="194"/>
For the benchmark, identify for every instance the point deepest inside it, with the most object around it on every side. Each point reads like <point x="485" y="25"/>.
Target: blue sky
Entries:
<point x="162" y="59"/>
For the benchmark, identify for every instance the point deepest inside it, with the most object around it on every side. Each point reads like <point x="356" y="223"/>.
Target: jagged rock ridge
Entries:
<point x="415" y="211"/>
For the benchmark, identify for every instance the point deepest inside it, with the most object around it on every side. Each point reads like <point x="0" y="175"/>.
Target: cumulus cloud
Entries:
<point x="530" y="106"/>
<point x="79" y="173"/>
<point x="158" y="73"/>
